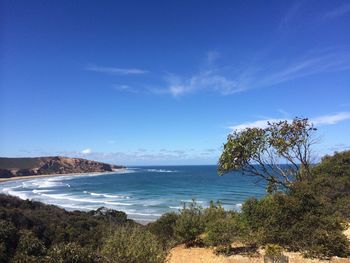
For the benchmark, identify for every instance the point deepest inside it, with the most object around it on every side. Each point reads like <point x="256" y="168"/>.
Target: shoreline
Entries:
<point x="19" y="178"/>
<point x="15" y="178"/>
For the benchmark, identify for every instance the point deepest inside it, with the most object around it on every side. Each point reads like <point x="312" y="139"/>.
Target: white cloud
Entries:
<point x="339" y="11"/>
<point x="147" y="156"/>
<point x="255" y="124"/>
<point x="330" y="119"/>
<point x="86" y="151"/>
<point x="207" y="80"/>
<point x="116" y="71"/>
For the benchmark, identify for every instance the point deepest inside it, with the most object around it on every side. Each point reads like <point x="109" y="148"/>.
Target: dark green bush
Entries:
<point x="8" y="240"/>
<point x="130" y="244"/>
<point x="222" y="231"/>
<point x="273" y="250"/>
<point x="213" y="213"/>
<point x="29" y="244"/>
<point x="163" y="229"/>
<point x="72" y="253"/>
<point x="24" y="258"/>
<point x="28" y="230"/>
<point x="331" y="184"/>
<point x="225" y="250"/>
<point x="296" y="222"/>
<point x="189" y="225"/>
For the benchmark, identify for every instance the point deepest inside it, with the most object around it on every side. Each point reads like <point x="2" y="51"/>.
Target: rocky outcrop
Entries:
<point x="12" y="167"/>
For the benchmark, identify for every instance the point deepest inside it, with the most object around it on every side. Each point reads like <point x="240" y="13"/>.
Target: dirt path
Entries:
<point x="180" y="254"/>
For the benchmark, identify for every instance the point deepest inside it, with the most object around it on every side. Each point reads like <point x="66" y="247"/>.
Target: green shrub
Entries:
<point x="189" y="225"/>
<point x="72" y="253"/>
<point x="225" y="250"/>
<point x="213" y="213"/>
<point x="29" y="244"/>
<point x="222" y="231"/>
<point x="24" y="258"/>
<point x="273" y="250"/>
<point x="8" y="240"/>
<point x="163" y="229"/>
<point x="331" y="184"/>
<point x="112" y="215"/>
<point x="132" y="245"/>
<point x="297" y="222"/>
<point x="319" y="237"/>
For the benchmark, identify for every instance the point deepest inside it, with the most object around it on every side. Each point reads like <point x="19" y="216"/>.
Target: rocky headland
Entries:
<point x="15" y="167"/>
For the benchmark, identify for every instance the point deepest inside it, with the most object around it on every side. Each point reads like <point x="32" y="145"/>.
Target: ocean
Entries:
<point x="144" y="193"/>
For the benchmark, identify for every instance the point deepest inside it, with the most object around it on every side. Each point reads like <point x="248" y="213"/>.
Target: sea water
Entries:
<point x="144" y="193"/>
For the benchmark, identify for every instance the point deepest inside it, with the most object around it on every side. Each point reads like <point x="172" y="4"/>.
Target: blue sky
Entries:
<point x="164" y="82"/>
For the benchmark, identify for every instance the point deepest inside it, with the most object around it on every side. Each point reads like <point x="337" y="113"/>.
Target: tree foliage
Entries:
<point x="279" y="153"/>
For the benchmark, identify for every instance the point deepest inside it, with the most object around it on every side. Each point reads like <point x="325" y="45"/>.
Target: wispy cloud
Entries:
<point x="289" y="15"/>
<point x="207" y="80"/>
<point x="316" y="62"/>
<point x="339" y="11"/>
<point x="212" y="56"/>
<point x="116" y="71"/>
<point x="125" y="88"/>
<point x="339" y="147"/>
<point x="330" y="119"/>
<point x="261" y="74"/>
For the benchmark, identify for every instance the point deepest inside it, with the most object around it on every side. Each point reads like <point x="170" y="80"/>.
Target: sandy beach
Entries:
<point x="48" y="175"/>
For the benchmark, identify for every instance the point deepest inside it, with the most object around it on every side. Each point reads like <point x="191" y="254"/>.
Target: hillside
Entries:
<point x="12" y="167"/>
<point x="33" y="232"/>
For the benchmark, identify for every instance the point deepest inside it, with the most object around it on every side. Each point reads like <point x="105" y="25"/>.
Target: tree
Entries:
<point x="279" y="153"/>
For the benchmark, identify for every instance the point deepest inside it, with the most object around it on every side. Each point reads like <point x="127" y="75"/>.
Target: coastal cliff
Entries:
<point x="12" y="167"/>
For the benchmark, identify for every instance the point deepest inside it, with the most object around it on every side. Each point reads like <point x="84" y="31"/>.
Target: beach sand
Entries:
<point x="47" y="175"/>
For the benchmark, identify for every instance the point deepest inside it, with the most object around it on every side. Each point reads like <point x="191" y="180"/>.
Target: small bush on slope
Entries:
<point x="8" y="240"/>
<point x="132" y="245"/>
<point x="189" y="225"/>
<point x="164" y="229"/>
<point x="72" y="253"/>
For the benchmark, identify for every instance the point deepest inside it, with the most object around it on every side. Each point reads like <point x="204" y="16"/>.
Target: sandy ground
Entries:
<point x="180" y="254"/>
<point x="45" y="175"/>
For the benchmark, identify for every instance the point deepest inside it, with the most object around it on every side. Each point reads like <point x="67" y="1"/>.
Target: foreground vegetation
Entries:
<point x="308" y="218"/>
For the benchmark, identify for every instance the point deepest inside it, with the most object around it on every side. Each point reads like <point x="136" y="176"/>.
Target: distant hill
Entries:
<point x="12" y="167"/>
